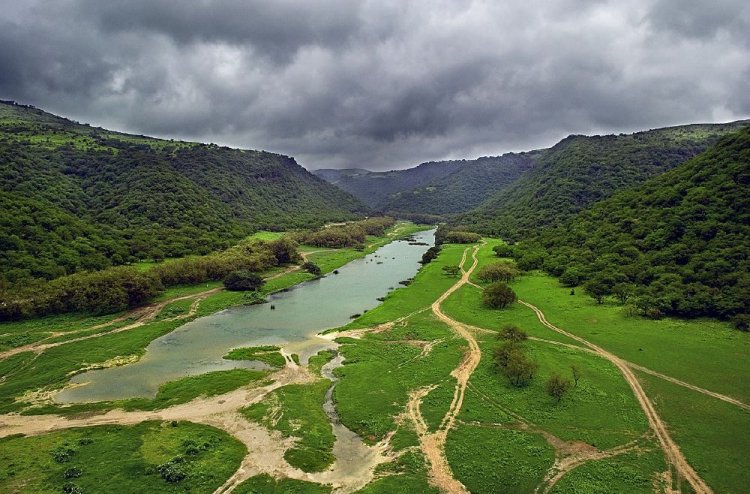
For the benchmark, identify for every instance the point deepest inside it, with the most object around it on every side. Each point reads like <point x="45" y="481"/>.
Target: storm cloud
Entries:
<point x="378" y="84"/>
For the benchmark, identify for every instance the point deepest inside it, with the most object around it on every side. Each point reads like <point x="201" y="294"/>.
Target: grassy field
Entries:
<point x="265" y="484"/>
<point x="121" y="459"/>
<point x="296" y="410"/>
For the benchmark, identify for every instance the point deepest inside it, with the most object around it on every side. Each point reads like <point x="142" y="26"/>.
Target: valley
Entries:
<point x="579" y="325"/>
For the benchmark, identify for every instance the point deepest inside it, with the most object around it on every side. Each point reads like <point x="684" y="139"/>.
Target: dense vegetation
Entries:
<point x="374" y="188"/>
<point x="78" y="198"/>
<point x="122" y="287"/>
<point x="352" y="234"/>
<point x="580" y="170"/>
<point x="464" y="189"/>
<point x="678" y="245"/>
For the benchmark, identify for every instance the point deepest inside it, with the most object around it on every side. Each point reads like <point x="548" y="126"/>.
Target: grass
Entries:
<point x="18" y="333"/>
<point x="120" y="459"/>
<point x="381" y="369"/>
<point x="629" y="473"/>
<point x="265" y="484"/>
<point x="189" y="388"/>
<point x="491" y="459"/>
<point x="268" y="354"/>
<point x="706" y="353"/>
<point x="712" y="435"/>
<point x="296" y="410"/>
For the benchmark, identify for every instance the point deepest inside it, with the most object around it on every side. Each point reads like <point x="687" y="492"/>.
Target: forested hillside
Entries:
<point x="679" y="244"/>
<point x="464" y="189"/>
<point x="580" y="170"/>
<point x="374" y="188"/>
<point x="76" y="197"/>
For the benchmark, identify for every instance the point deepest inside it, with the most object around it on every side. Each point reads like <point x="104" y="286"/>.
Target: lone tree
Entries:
<point x="557" y="386"/>
<point x="498" y="271"/>
<point x="520" y="369"/>
<point x="242" y="280"/>
<point x="597" y="290"/>
<point x="512" y="333"/>
<point x="576" y="371"/>
<point x="512" y="362"/>
<point x="312" y="268"/>
<point x="498" y="296"/>
<point x="451" y="270"/>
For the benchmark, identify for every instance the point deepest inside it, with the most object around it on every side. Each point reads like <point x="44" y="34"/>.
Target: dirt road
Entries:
<point x="672" y="452"/>
<point x="433" y="443"/>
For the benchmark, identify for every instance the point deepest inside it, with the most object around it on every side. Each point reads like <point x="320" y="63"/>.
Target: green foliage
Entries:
<point x="498" y="295"/>
<point x="557" y="386"/>
<point x="498" y="271"/>
<point x="265" y="484"/>
<point x="461" y="237"/>
<point x="472" y="182"/>
<point x="512" y="332"/>
<point x="312" y="268"/>
<point x="120" y="288"/>
<point x="430" y="254"/>
<point x="147" y="457"/>
<point x="302" y="417"/>
<point x="374" y="188"/>
<point x="74" y="197"/>
<point x="580" y="170"/>
<point x="268" y="354"/>
<point x="243" y="280"/>
<point x="513" y="363"/>
<point x="677" y="245"/>
<point x="353" y="234"/>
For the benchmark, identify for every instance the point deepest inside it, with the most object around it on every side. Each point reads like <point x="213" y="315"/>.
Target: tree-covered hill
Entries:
<point x="77" y="197"/>
<point x="580" y="170"/>
<point x="374" y="188"/>
<point x="464" y="189"/>
<point x="678" y="244"/>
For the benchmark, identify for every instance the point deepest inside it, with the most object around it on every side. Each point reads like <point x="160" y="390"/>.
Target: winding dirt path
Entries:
<point x="646" y="370"/>
<point x="432" y="444"/>
<point x="672" y="452"/>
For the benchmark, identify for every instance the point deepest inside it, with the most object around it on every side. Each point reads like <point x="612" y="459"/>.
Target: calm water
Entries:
<point x="301" y="313"/>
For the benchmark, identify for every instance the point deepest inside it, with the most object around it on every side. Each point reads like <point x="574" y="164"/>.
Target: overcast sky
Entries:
<point x="378" y="84"/>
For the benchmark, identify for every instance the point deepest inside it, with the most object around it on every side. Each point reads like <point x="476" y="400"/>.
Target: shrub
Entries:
<point x="557" y="386"/>
<point x="459" y="237"/>
<point x="498" y="271"/>
<point x="243" y="280"/>
<point x="312" y="268"/>
<point x="512" y="333"/>
<point x="173" y="471"/>
<point x="498" y="296"/>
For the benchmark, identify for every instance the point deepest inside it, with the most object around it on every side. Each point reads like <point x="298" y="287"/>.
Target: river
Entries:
<point x="300" y="314"/>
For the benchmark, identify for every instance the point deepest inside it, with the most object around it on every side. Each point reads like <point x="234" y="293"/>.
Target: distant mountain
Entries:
<point x="678" y="244"/>
<point x="374" y="188"/>
<point x="473" y="182"/>
<point x="77" y="197"/>
<point x="581" y="170"/>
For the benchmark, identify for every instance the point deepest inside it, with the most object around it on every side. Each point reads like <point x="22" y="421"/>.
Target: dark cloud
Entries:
<point x="379" y="84"/>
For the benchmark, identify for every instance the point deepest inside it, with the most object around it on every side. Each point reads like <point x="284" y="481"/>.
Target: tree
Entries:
<point x="557" y="386"/>
<point x="597" y="289"/>
<point x="512" y="362"/>
<point x="498" y="271"/>
<point x="451" y="270"/>
<point x="576" y="371"/>
<point x="503" y="250"/>
<point x="623" y="291"/>
<point x="520" y="369"/>
<point x="242" y="280"/>
<point x="571" y="277"/>
<point x="430" y="254"/>
<point x="498" y="296"/>
<point x="512" y="333"/>
<point x="312" y="268"/>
